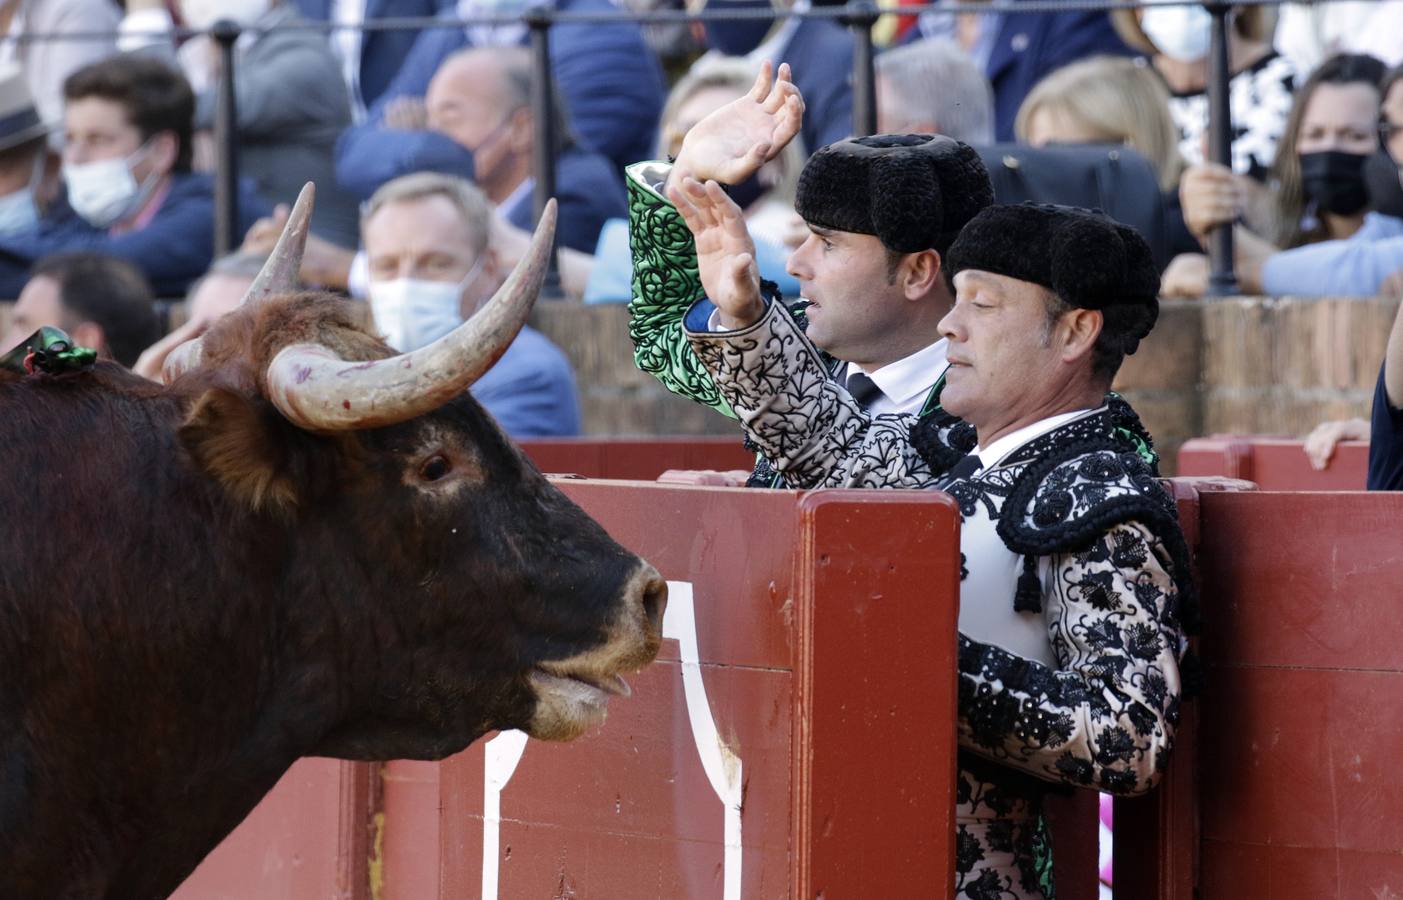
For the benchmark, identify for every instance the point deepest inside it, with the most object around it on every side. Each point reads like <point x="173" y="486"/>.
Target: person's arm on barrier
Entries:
<point x="1321" y="442"/>
<point x="729" y="144"/>
<point x="775" y="380"/>
<point x="1105" y="717"/>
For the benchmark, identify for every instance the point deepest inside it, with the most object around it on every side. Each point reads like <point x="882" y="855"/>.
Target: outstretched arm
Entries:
<point x="728" y="145"/>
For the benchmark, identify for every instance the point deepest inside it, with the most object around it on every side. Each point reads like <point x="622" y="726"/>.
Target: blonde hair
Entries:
<point x="465" y="196"/>
<point x="736" y="75"/>
<point x="1119" y="100"/>
<point x="1250" y="23"/>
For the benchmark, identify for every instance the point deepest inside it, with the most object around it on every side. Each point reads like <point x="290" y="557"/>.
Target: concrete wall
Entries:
<point x="1246" y="365"/>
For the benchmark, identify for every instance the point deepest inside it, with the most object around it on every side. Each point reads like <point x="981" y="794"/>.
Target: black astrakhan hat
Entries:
<point x="1083" y="256"/>
<point x="913" y="191"/>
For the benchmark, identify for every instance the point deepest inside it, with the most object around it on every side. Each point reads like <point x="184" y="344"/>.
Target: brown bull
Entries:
<point x="302" y="545"/>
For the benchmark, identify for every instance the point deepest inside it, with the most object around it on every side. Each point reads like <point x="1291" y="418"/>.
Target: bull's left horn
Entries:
<point x="319" y="391"/>
<point x="280" y="274"/>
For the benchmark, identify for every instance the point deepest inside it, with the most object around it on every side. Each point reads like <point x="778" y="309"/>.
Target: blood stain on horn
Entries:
<point x="346" y="404"/>
<point x="303" y="373"/>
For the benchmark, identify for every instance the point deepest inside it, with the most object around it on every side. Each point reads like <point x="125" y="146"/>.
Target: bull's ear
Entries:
<point x="239" y="445"/>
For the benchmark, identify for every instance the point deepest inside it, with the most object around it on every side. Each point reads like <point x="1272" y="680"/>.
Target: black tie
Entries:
<point x="964" y="468"/>
<point x="863" y="389"/>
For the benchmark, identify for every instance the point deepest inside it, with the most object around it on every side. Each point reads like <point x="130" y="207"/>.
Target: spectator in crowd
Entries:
<point x="1317" y="190"/>
<point x="1105" y="100"/>
<point x="27" y="169"/>
<point x="818" y="51"/>
<point x="933" y="87"/>
<point x="129" y="189"/>
<point x="100" y="301"/>
<point x="479" y="107"/>
<point x="1308" y="32"/>
<point x="610" y="82"/>
<point x="219" y="291"/>
<point x="1176" y="39"/>
<point x="370" y="59"/>
<point x="1016" y="50"/>
<point x="292" y="104"/>
<point x="48" y="63"/>
<point x="426" y="238"/>
<point x="1356" y="266"/>
<point x="1386" y="419"/>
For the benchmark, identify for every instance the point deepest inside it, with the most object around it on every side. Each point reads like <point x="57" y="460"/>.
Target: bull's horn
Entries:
<point x="318" y="391"/>
<point x="279" y="274"/>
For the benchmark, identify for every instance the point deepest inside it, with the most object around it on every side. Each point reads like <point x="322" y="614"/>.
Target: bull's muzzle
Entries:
<point x="572" y="695"/>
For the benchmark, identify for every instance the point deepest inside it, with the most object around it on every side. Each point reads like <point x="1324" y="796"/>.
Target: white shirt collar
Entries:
<point x="995" y="453"/>
<point x="906" y="382"/>
<point x="520" y="194"/>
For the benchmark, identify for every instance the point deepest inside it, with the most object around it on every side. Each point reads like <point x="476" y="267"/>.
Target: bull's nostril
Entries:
<point x="654" y="601"/>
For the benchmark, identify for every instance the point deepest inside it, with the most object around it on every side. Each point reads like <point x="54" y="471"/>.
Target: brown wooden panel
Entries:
<point x="295" y="844"/>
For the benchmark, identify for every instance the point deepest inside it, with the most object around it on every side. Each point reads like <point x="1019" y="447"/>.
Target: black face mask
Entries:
<point x="1335" y="181"/>
<point x="1385" y="192"/>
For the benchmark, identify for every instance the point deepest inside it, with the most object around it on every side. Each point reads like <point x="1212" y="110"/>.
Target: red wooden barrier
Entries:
<point x="636" y="459"/>
<point x="1275" y="464"/>
<point x="1302" y="727"/>
<point x="816" y="623"/>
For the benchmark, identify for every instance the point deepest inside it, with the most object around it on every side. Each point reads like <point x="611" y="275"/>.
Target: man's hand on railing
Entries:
<point x="1211" y="196"/>
<point x="1320" y="443"/>
<point x="153" y="358"/>
<point x="732" y="143"/>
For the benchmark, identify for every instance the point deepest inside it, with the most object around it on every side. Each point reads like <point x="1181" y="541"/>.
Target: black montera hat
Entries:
<point x="1083" y="256"/>
<point x="913" y="191"/>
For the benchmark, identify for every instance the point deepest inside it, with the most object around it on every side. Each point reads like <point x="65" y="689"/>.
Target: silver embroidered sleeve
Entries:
<point x="806" y="424"/>
<point x="1105" y="717"/>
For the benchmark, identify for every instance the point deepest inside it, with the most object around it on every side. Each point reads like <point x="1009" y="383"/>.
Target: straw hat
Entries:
<point x="19" y="120"/>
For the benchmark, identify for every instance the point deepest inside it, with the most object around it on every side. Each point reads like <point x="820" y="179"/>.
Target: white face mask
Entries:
<point x="201" y="14"/>
<point x="18" y="211"/>
<point x="104" y="191"/>
<point x="1181" y="32"/>
<point x="412" y="313"/>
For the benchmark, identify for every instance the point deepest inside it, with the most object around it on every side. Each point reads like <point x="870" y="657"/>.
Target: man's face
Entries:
<point x="1392" y="115"/>
<point x="1002" y="364"/>
<point x="425" y="239"/>
<point x="96" y="129"/>
<point x="38" y="305"/>
<point x="854" y="311"/>
<point x="216" y="295"/>
<point x="466" y="101"/>
<point x="1339" y="117"/>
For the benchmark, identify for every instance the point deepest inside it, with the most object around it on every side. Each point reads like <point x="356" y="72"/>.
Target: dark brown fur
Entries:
<point x="194" y="593"/>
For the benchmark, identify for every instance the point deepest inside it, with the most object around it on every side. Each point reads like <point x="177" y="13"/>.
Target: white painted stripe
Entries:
<point x="501" y="754"/>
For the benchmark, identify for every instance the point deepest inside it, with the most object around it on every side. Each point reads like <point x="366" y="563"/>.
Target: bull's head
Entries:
<point x="450" y="586"/>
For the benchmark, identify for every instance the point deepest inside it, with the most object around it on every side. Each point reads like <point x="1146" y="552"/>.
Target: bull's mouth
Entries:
<point x="568" y="703"/>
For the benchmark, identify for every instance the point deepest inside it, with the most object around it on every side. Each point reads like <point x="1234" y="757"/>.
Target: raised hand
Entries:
<point x="736" y="140"/>
<point x="725" y="251"/>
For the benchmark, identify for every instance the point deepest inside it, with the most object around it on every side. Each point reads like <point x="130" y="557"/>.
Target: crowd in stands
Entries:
<point x="421" y="142"/>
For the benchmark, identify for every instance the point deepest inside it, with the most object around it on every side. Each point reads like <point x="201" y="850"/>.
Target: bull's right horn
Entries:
<point x="280" y="274"/>
<point x="318" y="391"/>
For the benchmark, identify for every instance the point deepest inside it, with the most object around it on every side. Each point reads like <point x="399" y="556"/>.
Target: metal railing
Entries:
<point x="859" y="16"/>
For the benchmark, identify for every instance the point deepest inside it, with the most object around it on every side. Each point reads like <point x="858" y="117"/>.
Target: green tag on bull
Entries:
<point x="48" y="350"/>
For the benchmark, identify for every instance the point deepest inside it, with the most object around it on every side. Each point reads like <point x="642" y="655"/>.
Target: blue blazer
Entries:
<point x="173" y="250"/>
<point x="1031" y="45"/>
<point x="382" y="52"/>
<point x="609" y="78"/>
<point x="530" y="391"/>
<point x="821" y="55"/>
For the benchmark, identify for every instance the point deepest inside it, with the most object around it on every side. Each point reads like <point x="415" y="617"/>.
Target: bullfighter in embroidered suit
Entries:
<point x="878" y="298"/>
<point x="1076" y="578"/>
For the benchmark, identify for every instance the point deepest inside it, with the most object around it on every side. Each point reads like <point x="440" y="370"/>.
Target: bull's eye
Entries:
<point x="434" y="468"/>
